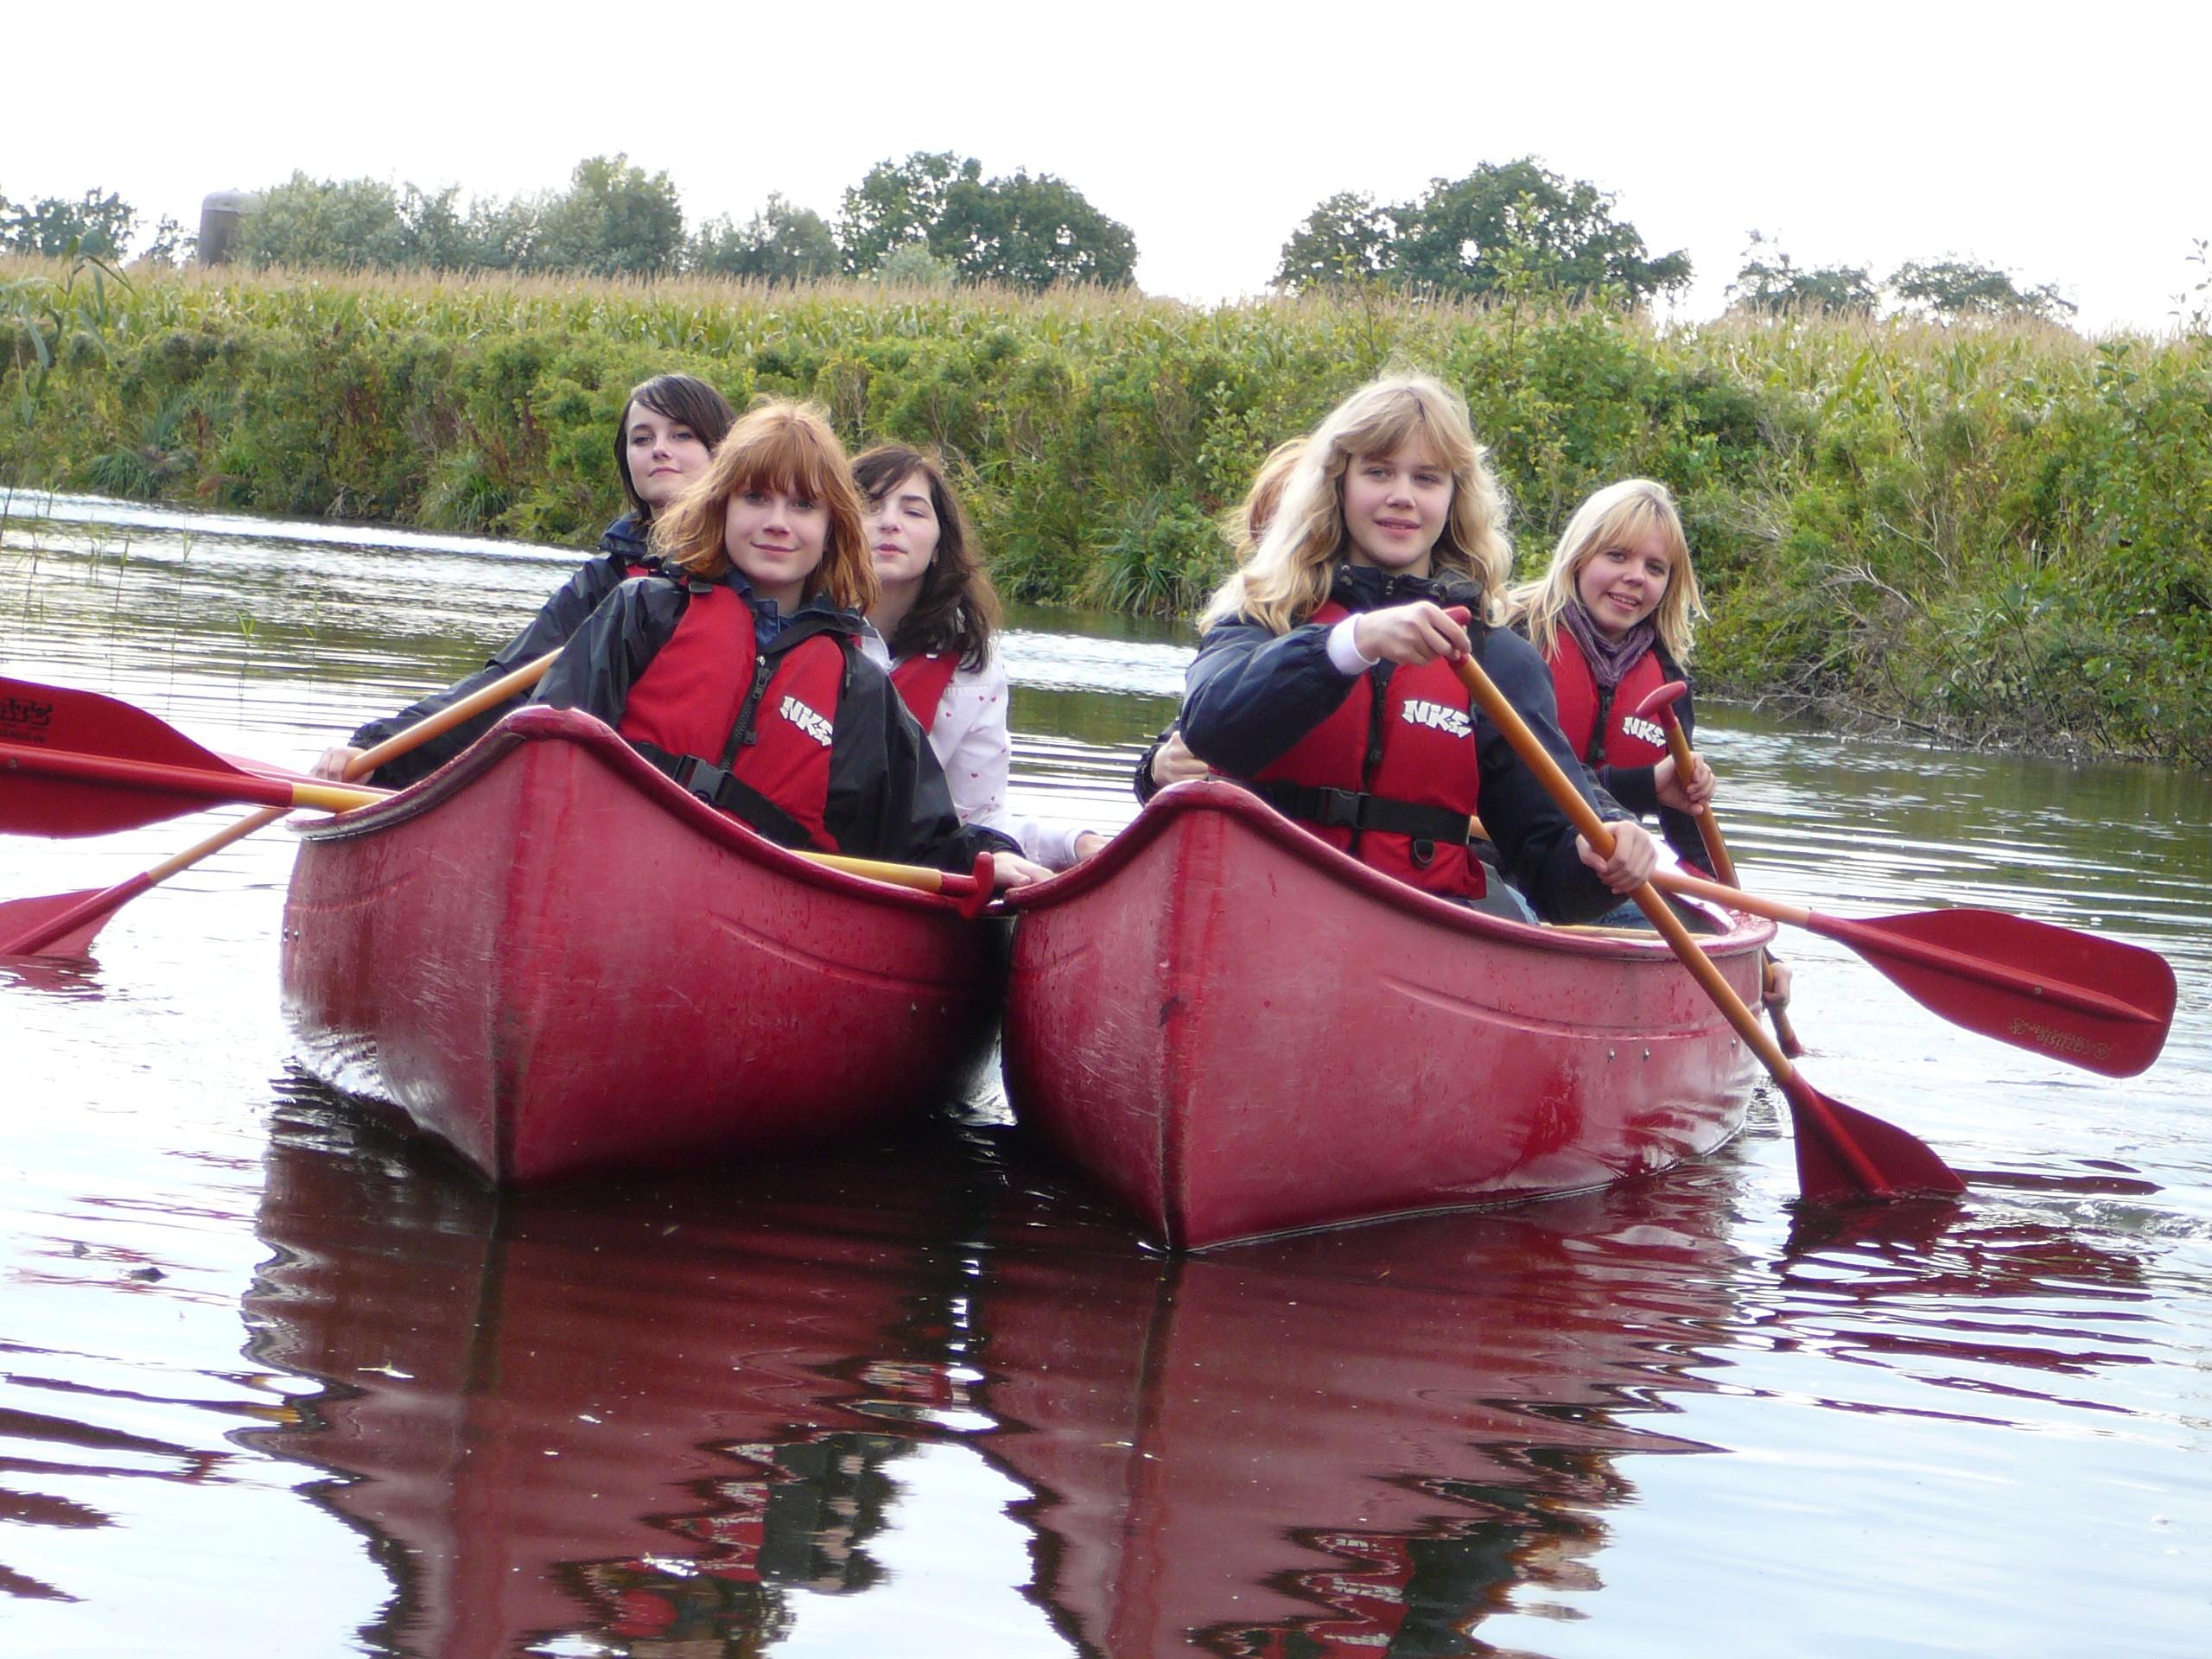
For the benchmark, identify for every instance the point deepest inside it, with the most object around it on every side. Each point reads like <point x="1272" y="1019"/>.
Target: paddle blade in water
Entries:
<point x="56" y="925"/>
<point x="2091" y="1001"/>
<point x="1843" y="1154"/>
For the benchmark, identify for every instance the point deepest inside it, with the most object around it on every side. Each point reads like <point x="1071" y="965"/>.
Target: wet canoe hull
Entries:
<point x="557" y="961"/>
<point x="1240" y="1032"/>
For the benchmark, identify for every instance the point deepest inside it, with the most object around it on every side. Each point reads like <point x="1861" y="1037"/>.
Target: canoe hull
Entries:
<point x="1240" y="1032"/>
<point x="555" y="960"/>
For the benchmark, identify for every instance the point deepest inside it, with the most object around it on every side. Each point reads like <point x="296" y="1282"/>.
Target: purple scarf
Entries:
<point x="1610" y="660"/>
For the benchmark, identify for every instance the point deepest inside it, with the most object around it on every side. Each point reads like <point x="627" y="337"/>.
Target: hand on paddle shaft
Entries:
<point x="107" y="739"/>
<point x="1422" y="631"/>
<point x="1842" y="1152"/>
<point x="1679" y="764"/>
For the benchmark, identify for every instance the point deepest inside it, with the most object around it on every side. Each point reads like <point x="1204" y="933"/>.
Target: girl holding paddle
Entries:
<point x="1612" y="619"/>
<point x="1325" y="681"/>
<point x="669" y="429"/>
<point x="737" y="668"/>
<point x="932" y="627"/>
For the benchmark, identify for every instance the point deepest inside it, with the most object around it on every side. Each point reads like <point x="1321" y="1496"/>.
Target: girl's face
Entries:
<point x="903" y="530"/>
<point x="1624" y="580"/>
<point x="776" y="538"/>
<point x="1395" y="506"/>
<point x="665" y="454"/>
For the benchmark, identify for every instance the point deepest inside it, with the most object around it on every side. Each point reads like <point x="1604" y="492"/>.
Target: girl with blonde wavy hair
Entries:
<point x="1325" y="680"/>
<point x="737" y="669"/>
<point x="1613" y="617"/>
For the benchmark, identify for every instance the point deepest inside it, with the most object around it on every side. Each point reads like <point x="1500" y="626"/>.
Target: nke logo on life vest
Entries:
<point x="1648" y="731"/>
<point x="1441" y="716"/>
<point x="807" y="720"/>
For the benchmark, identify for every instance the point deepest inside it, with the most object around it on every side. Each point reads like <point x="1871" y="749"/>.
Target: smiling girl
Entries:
<point x="668" y="428"/>
<point x="737" y="668"/>
<point x="1612" y="619"/>
<point x="934" y="621"/>
<point x="1325" y="680"/>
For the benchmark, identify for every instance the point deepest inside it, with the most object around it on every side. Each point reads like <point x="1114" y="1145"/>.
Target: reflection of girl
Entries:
<point x="669" y="426"/>
<point x="933" y="620"/>
<point x="737" y="668"/>
<point x="1612" y="619"/>
<point x="1325" y="679"/>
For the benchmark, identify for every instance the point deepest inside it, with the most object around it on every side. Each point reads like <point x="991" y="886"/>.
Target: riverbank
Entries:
<point x="1995" y="535"/>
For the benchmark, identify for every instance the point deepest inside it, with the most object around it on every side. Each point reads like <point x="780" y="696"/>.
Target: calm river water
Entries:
<point x="273" y="1382"/>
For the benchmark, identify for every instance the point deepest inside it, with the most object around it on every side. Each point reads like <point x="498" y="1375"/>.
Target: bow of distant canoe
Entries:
<point x="554" y="959"/>
<point x="1238" y="1031"/>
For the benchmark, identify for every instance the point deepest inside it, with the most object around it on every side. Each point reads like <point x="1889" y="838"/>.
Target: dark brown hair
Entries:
<point x="674" y="397"/>
<point x="957" y="608"/>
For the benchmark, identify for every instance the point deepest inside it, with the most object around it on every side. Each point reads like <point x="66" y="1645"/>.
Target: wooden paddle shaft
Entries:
<point x="445" y="720"/>
<point x="1708" y="829"/>
<point x="1503" y="715"/>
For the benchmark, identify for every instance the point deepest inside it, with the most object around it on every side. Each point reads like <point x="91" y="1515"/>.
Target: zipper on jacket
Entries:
<point x="1596" y="756"/>
<point x="1377" y="709"/>
<point x="745" y="734"/>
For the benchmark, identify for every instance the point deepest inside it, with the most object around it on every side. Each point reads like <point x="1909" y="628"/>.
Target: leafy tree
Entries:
<point x="350" y="223"/>
<point x="782" y="243"/>
<point x="1346" y="235"/>
<point x="1468" y="236"/>
<point x="914" y="266"/>
<point x="98" y="227"/>
<point x="1955" y="288"/>
<point x="492" y="235"/>
<point x="898" y="203"/>
<point x="614" y="220"/>
<point x="1029" y="232"/>
<point x="1769" y="280"/>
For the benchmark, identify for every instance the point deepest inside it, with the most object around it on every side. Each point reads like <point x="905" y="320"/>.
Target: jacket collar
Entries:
<point x="1365" y="587"/>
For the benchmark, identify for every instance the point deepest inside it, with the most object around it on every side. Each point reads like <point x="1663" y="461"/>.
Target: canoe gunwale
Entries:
<point x="1160" y="818"/>
<point x="538" y="724"/>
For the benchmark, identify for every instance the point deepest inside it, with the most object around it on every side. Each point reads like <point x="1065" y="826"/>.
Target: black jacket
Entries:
<point x="621" y="547"/>
<point x="888" y="798"/>
<point x="1251" y="695"/>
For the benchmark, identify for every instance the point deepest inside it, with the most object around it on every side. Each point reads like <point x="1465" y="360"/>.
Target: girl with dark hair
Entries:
<point x="736" y="668"/>
<point x="932" y="623"/>
<point x="669" y="429"/>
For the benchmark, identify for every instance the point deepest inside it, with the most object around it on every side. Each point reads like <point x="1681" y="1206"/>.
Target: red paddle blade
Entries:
<point x="1843" y="1154"/>
<point x="2090" y="1001"/>
<point x="45" y="926"/>
<point x="76" y="763"/>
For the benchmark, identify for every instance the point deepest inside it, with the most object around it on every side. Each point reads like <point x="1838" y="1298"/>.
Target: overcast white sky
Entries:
<point x="2069" y="145"/>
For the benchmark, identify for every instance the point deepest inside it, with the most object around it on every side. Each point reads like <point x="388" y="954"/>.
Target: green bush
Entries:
<point x="2001" y="530"/>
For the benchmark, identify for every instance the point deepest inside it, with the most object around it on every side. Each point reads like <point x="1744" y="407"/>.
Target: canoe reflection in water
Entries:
<point x="645" y="1414"/>
<point x="654" y="1421"/>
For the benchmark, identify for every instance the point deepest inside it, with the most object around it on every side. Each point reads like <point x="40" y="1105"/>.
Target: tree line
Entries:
<point x="933" y="219"/>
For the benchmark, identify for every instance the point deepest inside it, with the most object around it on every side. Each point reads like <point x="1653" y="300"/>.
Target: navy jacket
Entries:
<point x="1251" y="694"/>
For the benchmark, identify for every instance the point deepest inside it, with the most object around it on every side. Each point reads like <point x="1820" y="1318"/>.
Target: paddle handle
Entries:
<point x="437" y="725"/>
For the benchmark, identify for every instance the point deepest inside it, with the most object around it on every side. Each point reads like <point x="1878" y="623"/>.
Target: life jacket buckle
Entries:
<point x="702" y="779"/>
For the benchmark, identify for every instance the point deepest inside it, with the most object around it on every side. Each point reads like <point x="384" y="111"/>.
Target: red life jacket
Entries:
<point x="1391" y="775"/>
<point x="769" y="716"/>
<point x="1602" y="727"/>
<point x="920" y="681"/>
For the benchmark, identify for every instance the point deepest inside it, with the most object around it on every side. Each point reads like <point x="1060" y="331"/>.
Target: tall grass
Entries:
<point x="2003" y="532"/>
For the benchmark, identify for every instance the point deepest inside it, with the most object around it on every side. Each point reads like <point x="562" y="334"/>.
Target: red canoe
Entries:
<point x="553" y="958"/>
<point x="1240" y="1032"/>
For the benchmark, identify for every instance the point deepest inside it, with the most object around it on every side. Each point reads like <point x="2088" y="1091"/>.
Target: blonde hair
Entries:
<point x="777" y="445"/>
<point x="1614" y="515"/>
<point x="1286" y="578"/>
<point x="1248" y="521"/>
